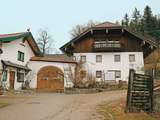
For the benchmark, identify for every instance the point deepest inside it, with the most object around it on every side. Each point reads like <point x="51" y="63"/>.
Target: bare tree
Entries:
<point x="78" y="29"/>
<point x="45" y="41"/>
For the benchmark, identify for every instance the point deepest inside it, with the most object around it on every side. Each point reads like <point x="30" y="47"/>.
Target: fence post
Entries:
<point x="130" y="81"/>
<point x="151" y="90"/>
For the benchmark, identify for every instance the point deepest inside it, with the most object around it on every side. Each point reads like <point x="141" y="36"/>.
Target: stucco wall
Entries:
<point x="10" y="53"/>
<point x="37" y="65"/>
<point x="108" y="63"/>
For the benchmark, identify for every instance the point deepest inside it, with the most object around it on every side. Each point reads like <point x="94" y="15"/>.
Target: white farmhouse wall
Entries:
<point x="108" y="63"/>
<point x="37" y="65"/>
<point x="10" y="53"/>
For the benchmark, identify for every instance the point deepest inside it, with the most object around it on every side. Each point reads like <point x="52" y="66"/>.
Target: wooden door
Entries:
<point x="11" y="80"/>
<point x="50" y="78"/>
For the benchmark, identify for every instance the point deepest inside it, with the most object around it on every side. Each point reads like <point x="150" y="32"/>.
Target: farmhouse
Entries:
<point x="21" y="60"/>
<point x="103" y="53"/>
<point x="107" y="51"/>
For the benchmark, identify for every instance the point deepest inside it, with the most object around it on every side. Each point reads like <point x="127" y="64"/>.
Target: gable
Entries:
<point x="131" y="41"/>
<point x="5" y="38"/>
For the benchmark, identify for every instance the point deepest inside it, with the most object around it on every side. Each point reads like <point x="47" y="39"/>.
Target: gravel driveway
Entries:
<point x="54" y="106"/>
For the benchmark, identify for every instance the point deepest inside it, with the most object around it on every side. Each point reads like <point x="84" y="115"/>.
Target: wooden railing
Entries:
<point x="115" y="45"/>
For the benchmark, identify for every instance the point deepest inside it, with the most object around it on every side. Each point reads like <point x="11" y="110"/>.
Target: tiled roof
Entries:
<point x="11" y="64"/>
<point x="54" y="58"/>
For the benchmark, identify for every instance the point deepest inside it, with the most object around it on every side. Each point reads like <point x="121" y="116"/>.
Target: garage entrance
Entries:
<point x="50" y="78"/>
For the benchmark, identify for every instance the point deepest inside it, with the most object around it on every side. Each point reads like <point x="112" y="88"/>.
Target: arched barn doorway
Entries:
<point x="50" y="78"/>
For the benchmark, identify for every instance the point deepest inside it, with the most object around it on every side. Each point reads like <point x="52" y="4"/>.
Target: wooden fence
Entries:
<point x="140" y="93"/>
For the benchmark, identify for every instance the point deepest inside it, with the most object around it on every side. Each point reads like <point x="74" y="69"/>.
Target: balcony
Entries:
<point x="107" y="46"/>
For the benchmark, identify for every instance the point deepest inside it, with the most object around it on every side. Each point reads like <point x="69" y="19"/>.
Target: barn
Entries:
<point x="51" y="72"/>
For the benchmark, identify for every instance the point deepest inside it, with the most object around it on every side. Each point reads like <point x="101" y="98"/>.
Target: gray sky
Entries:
<point x="59" y="16"/>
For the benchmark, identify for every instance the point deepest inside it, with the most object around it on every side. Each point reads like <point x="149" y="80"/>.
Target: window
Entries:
<point x="20" y="77"/>
<point x="117" y="74"/>
<point x="4" y="75"/>
<point x="83" y="74"/>
<point x="20" y="56"/>
<point x="98" y="58"/>
<point x="117" y="58"/>
<point x="132" y="58"/>
<point x="83" y="58"/>
<point x="98" y="74"/>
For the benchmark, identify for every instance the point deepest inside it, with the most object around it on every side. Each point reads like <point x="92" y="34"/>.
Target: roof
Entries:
<point x="11" y="35"/>
<point x="146" y="37"/>
<point x="110" y="25"/>
<point x="11" y="64"/>
<point x="106" y="25"/>
<point x="54" y="58"/>
<point x="103" y="25"/>
<point x="27" y="35"/>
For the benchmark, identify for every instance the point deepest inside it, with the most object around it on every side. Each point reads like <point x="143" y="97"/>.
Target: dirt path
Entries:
<point x="58" y="106"/>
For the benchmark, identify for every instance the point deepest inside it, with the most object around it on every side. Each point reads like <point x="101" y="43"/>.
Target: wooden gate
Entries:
<point x="140" y="93"/>
<point x="50" y="78"/>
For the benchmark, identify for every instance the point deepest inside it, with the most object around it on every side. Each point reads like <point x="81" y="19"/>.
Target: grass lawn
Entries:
<point x="115" y="111"/>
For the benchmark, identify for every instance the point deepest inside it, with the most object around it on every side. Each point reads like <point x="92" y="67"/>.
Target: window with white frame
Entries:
<point x="20" y="56"/>
<point x="83" y="74"/>
<point x="132" y="58"/>
<point x="99" y="74"/>
<point x="83" y="58"/>
<point x="4" y="77"/>
<point x="20" y="77"/>
<point x="98" y="58"/>
<point x="117" y="74"/>
<point x="117" y="58"/>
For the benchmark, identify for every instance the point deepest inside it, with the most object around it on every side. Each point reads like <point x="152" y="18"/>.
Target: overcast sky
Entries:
<point x="59" y="16"/>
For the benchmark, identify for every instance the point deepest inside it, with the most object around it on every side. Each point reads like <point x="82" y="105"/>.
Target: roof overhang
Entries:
<point x="90" y="30"/>
<point x="11" y="64"/>
<point x="25" y="35"/>
<point x="146" y="38"/>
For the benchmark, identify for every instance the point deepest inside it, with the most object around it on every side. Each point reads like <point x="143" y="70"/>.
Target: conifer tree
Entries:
<point x="125" y="21"/>
<point x="135" y="22"/>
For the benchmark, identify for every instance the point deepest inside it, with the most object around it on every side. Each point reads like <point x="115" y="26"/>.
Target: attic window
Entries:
<point x="20" y="56"/>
